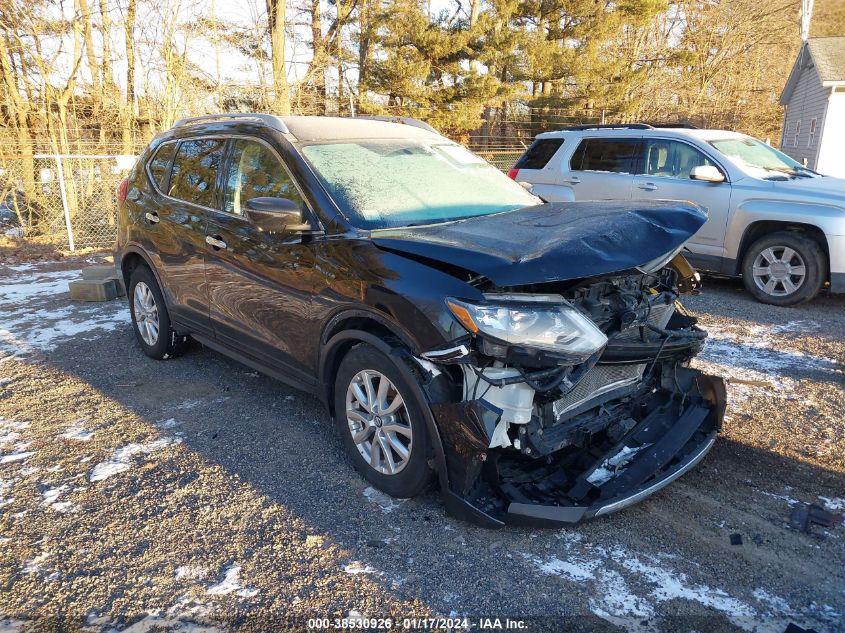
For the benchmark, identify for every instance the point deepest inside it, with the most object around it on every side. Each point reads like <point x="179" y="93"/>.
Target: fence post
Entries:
<point x="64" y="201"/>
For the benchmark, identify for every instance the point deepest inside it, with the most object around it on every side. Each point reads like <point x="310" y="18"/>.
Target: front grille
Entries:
<point x="600" y="380"/>
<point x="658" y="317"/>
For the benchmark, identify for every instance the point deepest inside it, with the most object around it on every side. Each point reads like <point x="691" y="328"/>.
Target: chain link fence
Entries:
<point x="69" y="199"/>
<point x="66" y="199"/>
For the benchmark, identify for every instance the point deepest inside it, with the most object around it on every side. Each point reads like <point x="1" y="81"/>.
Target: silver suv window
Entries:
<point x="671" y="159"/>
<point x="616" y="155"/>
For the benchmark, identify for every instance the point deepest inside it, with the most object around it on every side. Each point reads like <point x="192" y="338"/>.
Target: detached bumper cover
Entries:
<point x="523" y="513"/>
<point x="675" y="429"/>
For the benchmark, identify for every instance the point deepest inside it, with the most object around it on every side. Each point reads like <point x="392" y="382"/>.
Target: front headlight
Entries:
<point x="556" y="327"/>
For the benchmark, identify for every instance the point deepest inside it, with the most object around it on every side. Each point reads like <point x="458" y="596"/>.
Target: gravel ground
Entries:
<point x="198" y="495"/>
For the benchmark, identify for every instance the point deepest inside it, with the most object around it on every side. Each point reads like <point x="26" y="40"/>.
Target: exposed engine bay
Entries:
<point x="536" y="434"/>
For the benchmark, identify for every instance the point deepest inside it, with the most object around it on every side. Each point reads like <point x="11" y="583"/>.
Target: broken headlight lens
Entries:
<point x="556" y="327"/>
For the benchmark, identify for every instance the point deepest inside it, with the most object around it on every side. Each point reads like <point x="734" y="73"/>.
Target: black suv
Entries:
<point x="531" y="357"/>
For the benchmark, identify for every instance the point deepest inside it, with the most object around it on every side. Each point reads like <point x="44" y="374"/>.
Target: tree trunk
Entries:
<point x="128" y="122"/>
<point x="276" y="18"/>
<point x="318" y="56"/>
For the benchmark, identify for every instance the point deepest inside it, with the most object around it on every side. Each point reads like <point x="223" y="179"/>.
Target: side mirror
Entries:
<point x="707" y="173"/>
<point x="276" y="215"/>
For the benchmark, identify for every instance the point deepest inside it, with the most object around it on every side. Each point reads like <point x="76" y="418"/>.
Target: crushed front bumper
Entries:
<point x="675" y="428"/>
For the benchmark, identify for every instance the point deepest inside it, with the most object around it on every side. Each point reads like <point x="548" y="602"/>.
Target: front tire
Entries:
<point x="784" y="268"/>
<point x="381" y="423"/>
<point x="150" y="318"/>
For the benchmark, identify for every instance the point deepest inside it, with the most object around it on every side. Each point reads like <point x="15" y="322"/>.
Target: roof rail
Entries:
<point x="684" y="126"/>
<point x="406" y="120"/>
<point x="608" y="126"/>
<point x="270" y="120"/>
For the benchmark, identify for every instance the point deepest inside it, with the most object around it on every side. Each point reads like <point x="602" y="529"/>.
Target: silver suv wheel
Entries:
<point x="146" y="313"/>
<point x="779" y="271"/>
<point x="378" y="422"/>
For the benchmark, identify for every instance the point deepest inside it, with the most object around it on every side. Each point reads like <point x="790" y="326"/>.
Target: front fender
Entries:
<point x="830" y="219"/>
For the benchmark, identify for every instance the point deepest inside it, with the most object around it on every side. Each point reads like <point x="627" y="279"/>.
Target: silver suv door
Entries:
<point x="665" y="175"/>
<point x="602" y="168"/>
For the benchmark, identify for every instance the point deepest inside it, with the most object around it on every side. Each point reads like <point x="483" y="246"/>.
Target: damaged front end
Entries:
<point x="571" y="400"/>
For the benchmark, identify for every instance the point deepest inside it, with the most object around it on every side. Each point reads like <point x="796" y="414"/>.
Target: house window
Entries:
<point x="812" y="140"/>
<point x="796" y="133"/>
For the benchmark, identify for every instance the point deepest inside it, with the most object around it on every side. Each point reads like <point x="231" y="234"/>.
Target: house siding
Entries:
<point x="807" y="102"/>
<point x="830" y="161"/>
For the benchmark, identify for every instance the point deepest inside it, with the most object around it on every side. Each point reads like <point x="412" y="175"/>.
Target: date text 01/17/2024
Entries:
<point x="417" y="624"/>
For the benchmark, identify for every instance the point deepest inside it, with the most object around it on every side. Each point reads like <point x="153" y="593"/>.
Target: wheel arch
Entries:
<point x="133" y="257"/>
<point x="762" y="228"/>
<point x="344" y="339"/>
<point x="349" y="327"/>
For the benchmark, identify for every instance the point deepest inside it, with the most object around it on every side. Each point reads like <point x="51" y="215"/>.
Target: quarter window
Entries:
<point x="195" y="171"/>
<point x="671" y="159"/>
<point x="159" y="164"/>
<point x="606" y="154"/>
<point x="255" y="172"/>
<point x="539" y="154"/>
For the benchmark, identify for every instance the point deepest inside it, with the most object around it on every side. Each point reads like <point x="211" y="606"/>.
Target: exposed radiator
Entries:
<point x="658" y="317"/>
<point x="600" y="380"/>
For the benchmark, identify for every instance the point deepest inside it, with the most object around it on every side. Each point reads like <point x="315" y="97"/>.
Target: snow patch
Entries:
<point x="626" y="589"/>
<point x="76" y="432"/>
<point x="356" y="567"/>
<point x="191" y="572"/>
<point x="231" y="584"/>
<point x="386" y="503"/>
<point x="36" y="565"/>
<point x="15" y="457"/>
<point x="121" y="461"/>
<point x="612" y="466"/>
<point x="833" y="505"/>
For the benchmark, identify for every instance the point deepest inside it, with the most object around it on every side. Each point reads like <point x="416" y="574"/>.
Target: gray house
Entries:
<point x="814" y="96"/>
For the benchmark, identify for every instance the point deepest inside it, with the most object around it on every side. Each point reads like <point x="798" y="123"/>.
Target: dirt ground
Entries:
<point x="198" y="495"/>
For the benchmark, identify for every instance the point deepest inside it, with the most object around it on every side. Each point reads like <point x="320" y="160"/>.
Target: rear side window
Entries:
<point x="159" y="164"/>
<point x="194" y="174"/>
<point x="539" y="153"/>
<point x="617" y="155"/>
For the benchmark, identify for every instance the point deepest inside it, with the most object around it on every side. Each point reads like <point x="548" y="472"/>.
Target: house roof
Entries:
<point x="826" y="55"/>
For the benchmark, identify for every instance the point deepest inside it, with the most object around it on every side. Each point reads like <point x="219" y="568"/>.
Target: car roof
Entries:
<point x="704" y="135"/>
<point x="318" y="128"/>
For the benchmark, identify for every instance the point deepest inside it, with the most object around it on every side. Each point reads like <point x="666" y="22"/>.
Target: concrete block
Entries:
<point x="99" y="272"/>
<point x="92" y="290"/>
<point x="118" y="285"/>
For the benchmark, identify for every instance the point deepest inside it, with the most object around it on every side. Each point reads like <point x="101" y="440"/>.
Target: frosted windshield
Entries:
<point x="386" y="183"/>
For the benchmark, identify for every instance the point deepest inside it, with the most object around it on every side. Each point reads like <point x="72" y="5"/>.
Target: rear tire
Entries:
<point x="784" y="268"/>
<point x="150" y="318"/>
<point x="374" y="404"/>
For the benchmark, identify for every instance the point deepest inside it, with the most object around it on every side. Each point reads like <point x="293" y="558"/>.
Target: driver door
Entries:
<point x="259" y="284"/>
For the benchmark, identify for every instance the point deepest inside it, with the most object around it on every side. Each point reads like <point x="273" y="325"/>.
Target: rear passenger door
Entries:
<point x="602" y="168"/>
<point x="260" y="284"/>
<point x="189" y="190"/>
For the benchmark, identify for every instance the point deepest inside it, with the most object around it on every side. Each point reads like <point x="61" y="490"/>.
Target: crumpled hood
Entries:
<point x="552" y="242"/>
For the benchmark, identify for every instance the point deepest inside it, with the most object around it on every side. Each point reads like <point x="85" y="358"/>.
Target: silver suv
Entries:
<point x="778" y="224"/>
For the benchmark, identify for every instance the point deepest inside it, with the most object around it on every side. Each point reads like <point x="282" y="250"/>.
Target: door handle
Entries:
<point x="648" y="186"/>
<point x="152" y="218"/>
<point x="574" y="180"/>
<point x="215" y="242"/>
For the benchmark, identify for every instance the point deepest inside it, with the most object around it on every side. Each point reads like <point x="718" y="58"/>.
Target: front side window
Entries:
<point x="383" y="183"/>
<point x="671" y="159"/>
<point x="195" y="171"/>
<point x="255" y="172"/>
<point x="616" y="155"/>
<point x="159" y="164"/>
